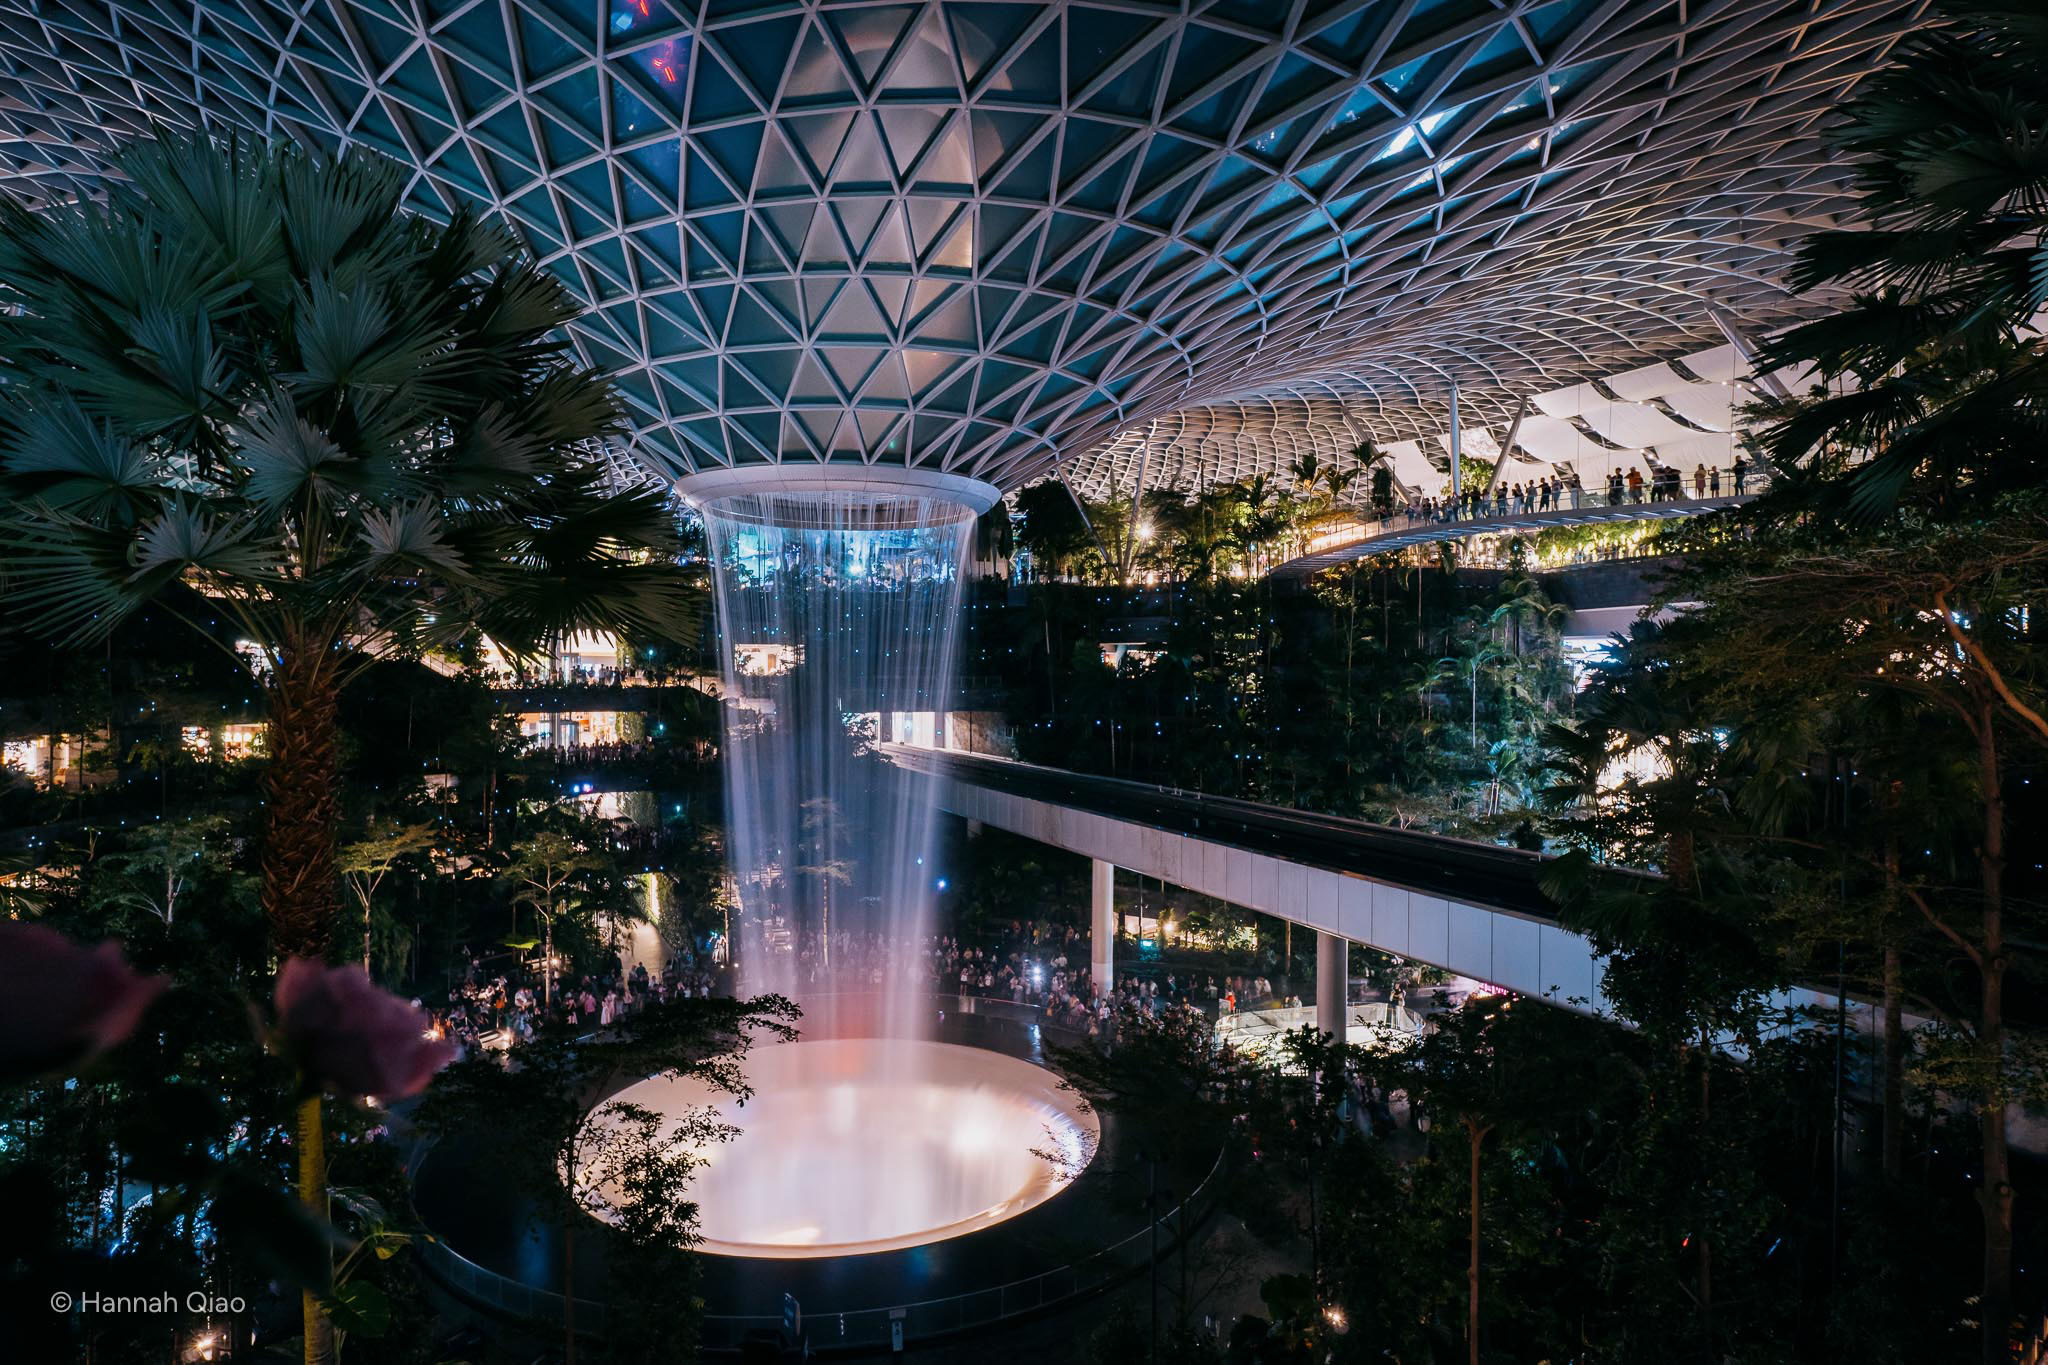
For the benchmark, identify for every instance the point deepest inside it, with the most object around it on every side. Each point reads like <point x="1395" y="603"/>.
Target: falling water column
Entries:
<point x="838" y="597"/>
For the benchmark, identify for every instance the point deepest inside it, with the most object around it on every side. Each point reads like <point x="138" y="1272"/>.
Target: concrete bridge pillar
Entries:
<point x="1102" y="934"/>
<point x="1333" y="976"/>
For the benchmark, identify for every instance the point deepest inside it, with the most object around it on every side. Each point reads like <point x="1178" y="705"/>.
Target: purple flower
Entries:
<point x="61" y="1003"/>
<point x="352" y="1038"/>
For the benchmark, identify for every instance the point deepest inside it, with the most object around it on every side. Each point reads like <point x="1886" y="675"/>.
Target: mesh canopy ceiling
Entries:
<point x="983" y="237"/>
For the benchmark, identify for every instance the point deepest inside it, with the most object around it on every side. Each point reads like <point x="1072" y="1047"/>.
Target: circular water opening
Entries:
<point x="874" y="1144"/>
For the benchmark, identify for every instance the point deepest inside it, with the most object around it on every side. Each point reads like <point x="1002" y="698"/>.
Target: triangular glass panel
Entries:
<point x="714" y="93"/>
<point x="853" y="314"/>
<point x="983" y="34"/>
<point x="1016" y="264"/>
<point x="891" y="244"/>
<point x="1103" y="192"/>
<point x="952" y="323"/>
<point x="867" y="36"/>
<point x="925" y="67"/>
<point x="663" y="242"/>
<point x="722" y="233"/>
<point x="907" y="129"/>
<point x="703" y="186"/>
<point x="781" y="295"/>
<point x="891" y="293"/>
<point x="824" y="246"/>
<point x="632" y="116"/>
<point x="955" y="250"/>
<point x="708" y="435"/>
<point x="931" y="437"/>
<point x="1096" y="38"/>
<point x="924" y="295"/>
<point x="752" y="324"/>
<point x="667" y="339"/>
<point x="947" y="163"/>
<point x="759" y="52"/>
<point x="818" y="138"/>
<point x="863" y="160"/>
<point x="888" y="383"/>
<point x="762" y="430"/>
<point x="956" y="394"/>
<point x="850" y="365"/>
<point x="505" y="133"/>
<point x="877" y="430"/>
<point x="742" y="390"/>
<point x="812" y="384"/>
<point x="818" y="296"/>
<point x="1034" y="75"/>
<point x="858" y="218"/>
<point x="791" y="224"/>
<point x="699" y="374"/>
<point x="996" y="134"/>
<point x="1028" y="175"/>
<point x="929" y="219"/>
<point x="818" y="76"/>
<point x="735" y="149"/>
<point x="765" y="255"/>
<point x="818" y="426"/>
<point x="927" y="368"/>
<point x="782" y="170"/>
<point x="846" y="437"/>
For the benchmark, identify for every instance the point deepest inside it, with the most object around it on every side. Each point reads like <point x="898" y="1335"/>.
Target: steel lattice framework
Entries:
<point x="986" y="237"/>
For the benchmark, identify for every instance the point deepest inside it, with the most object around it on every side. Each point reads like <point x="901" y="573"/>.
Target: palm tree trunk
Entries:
<point x="300" y="809"/>
<point x="1995" y="1193"/>
<point x="312" y="1152"/>
<point x="298" y="893"/>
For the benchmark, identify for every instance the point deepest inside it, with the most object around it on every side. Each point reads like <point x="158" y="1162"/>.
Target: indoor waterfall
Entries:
<point x="837" y="610"/>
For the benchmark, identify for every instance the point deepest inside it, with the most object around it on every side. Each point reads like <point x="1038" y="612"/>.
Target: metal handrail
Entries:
<point x="922" y="1319"/>
<point x="501" y="1294"/>
<point x="928" y="1318"/>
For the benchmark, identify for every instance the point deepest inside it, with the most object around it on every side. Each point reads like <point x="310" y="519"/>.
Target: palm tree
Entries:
<point x="246" y="384"/>
<point x="1948" y="377"/>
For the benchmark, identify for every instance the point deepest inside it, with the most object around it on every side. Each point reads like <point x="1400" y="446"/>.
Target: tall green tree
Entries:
<point x="1947" y="376"/>
<point x="366" y="863"/>
<point x="246" y="383"/>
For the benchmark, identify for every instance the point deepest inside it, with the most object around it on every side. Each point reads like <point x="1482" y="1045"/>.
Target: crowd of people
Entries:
<point x="499" y="1012"/>
<point x="587" y="757"/>
<point x="1038" y="965"/>
<point x="1565" y="491"/>
<point x="562" y="674"/>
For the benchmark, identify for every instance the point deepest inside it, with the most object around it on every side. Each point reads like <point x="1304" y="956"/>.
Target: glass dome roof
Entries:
<point x="981" y="237"/>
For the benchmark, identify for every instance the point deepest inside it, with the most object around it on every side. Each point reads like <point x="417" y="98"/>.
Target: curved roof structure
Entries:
<point x="985" y="237"/>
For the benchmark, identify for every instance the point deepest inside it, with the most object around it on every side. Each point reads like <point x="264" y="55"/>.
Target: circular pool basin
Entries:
<point x="875" y="1144"/>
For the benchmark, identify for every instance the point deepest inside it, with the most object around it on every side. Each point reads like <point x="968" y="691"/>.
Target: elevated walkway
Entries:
<point x="1473" y="909"/>
<point x="1470" y="908"/>
<point x="1401" y="532"/>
